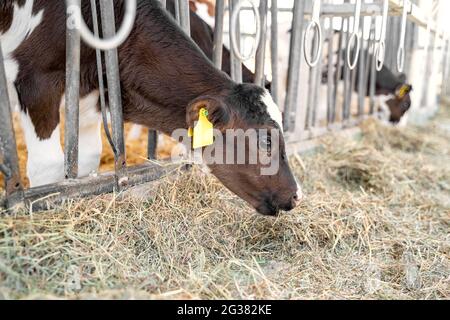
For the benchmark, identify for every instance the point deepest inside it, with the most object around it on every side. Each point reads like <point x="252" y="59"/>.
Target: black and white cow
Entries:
<point x="391" y="90"/>
<point x="166" y="79"/>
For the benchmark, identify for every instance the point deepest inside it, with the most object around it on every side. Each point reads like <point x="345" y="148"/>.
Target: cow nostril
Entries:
<point x="297" y="198"/>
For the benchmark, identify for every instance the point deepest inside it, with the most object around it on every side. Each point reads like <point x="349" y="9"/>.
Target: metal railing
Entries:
<point x="349" y="54"/>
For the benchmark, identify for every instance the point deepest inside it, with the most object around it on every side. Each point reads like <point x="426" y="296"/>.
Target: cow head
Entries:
<point x="248" y="127"/>
<point x="400" y="103"/>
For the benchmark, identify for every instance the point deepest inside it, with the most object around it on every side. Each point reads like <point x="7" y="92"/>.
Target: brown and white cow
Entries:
<point x="165" y="80"/>
<point x="391" y="90"/>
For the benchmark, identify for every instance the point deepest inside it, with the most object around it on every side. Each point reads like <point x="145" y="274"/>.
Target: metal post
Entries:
<point x="218" y="34"/>
<point x="446" y="72"/>
<point x="185" y="22"/>
<point x="71" y="128"/>
<point x="294" y="65"/>
<point x="274" y="50"/>
<point x="361" y="72"/>
<point x="114" y="94"/>
<point x="429" y="67"/>
<point x="314" y="85"/>
<point x="152" y="144"/>
<point x="339" y="67"/>
<point x="347" y="76"/>
<point x="261" y="52"/>
<point x="331" y="98"/>
<point x="9" y="161"/>
<point x="236" y="66"/>
<point x="317" y="82"/>
<point x="373" y="73"/>
<point x="177" y="11"/>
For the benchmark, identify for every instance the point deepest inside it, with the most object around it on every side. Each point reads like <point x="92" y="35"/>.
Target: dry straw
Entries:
<point x="374" y="224"/>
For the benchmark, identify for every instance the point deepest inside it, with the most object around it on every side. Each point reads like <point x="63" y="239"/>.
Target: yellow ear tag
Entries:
<point x="203" y="133"/>
<point x="402" y="91"/>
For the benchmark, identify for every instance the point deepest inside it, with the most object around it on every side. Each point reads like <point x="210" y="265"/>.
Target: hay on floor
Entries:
<point x="374" y="225"/>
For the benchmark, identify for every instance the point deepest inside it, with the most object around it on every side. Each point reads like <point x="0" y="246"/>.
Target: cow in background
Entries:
<point x="205" y="9"/>
<point x="392" y="91"/>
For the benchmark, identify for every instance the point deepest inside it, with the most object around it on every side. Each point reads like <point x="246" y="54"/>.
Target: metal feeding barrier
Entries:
<point x="347" y="42"/>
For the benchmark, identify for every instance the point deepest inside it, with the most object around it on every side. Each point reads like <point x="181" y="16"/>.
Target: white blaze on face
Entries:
<point x="272" y="109"/>
<point x="23" y="24"/>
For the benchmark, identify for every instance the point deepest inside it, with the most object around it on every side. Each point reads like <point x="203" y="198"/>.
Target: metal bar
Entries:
<point x="72" y="117"/>
<point x="114" y="94"/>
<point x="274" y="51"/>
<point x="373" y="75"/>
<point x="337" y="10"/>
<point x="47" y="197"/>
<point x="163" y="3"/>
<point x="368" y="60"/>
<point x="446" y="69"/>
<point x="339" y="68"/>
<point x="428" y="68"/>
<point x="353" y="77"/>
<point x="218" y="34"/>
<point x="318" y="81"/>
<point x="236" y="65"/>
<point x="8" y="149"/>
<point x="331" y="98"/>
<point x="152" y="144"/>
<point x="314" y="86"/>
<point x="294" y="65"/>
<point x="177" y="11"/>
<point x="261" y="51"/>
<point x="185" y="22"/>
<point x="101" y="84"/>
<point x="347" y="76"/>
<point x="361" y="72"/>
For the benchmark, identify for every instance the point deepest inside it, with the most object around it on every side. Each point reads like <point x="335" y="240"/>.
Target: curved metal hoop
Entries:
<point x="233" y="31"/>
<point x="306" y="50"/>
<point x="356" y="39"/>
<point x="380" y="54"/>
<point x="401" y="48"/>
<point x="105" y="44"/>
<point x="380" y="49"/>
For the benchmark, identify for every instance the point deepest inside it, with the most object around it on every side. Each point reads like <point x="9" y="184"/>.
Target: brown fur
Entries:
<point x="162" y="72"/>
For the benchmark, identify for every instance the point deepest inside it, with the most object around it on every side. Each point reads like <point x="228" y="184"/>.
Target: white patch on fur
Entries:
<point x="23" y="24"/>
<point x="385" y="115"/>
<point x="272" y="109"/>
<point x="299" y="192"/>
<point x="203" y="12"/>
<point x="90" y="139"/>
<point x="45" y="157"/>
<point x="135" y="132"/>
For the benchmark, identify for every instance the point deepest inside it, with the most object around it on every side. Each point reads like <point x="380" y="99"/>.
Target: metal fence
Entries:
<point x="346" y="41"/>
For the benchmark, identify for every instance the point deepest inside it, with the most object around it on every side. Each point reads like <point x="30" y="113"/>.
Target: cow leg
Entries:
<point x="39" y="96"/>
<point x="45" y="163"/>
<point x="90" y="146"/>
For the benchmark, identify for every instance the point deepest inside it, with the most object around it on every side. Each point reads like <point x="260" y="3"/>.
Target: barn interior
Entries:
<point x="373" y="224"/>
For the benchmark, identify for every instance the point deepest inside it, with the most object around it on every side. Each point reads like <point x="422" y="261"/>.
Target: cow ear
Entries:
<point x="217" y="113"/>
<point x="403" y="90"/>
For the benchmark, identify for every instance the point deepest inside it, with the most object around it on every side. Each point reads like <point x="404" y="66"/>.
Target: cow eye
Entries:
<point x="265" y="143"/>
